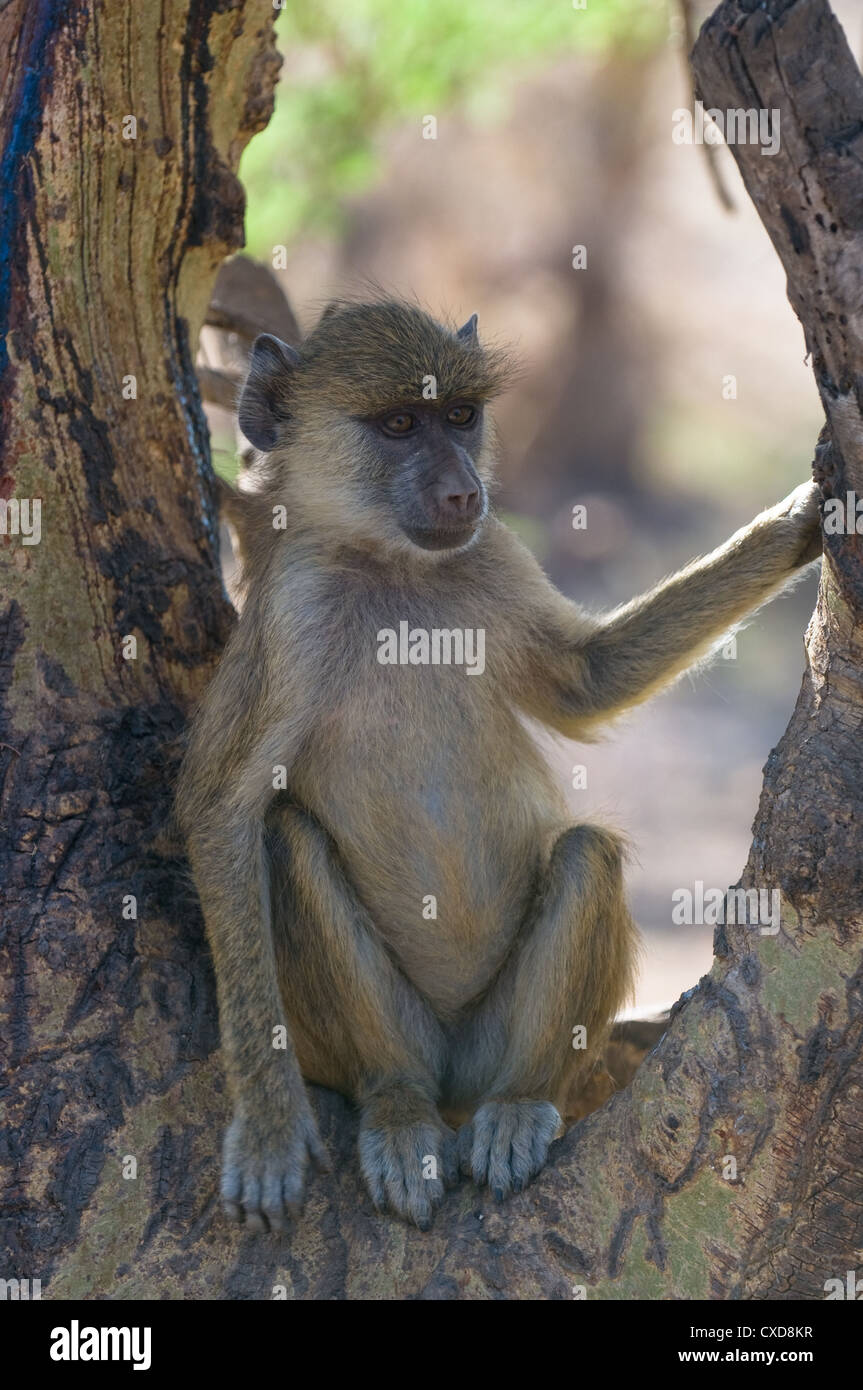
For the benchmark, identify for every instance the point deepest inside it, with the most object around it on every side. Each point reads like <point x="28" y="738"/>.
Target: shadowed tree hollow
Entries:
<point x="120" y="131"/>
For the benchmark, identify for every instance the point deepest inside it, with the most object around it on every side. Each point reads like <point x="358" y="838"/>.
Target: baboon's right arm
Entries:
<point x="226" y="786"/>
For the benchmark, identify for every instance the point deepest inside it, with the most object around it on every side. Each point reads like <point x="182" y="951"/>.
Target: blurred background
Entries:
<point x="552" y="129"/>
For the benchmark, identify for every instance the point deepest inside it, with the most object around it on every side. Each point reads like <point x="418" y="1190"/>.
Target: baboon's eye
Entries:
<point x="400" y="422"/>
<point x="461" y="415"/>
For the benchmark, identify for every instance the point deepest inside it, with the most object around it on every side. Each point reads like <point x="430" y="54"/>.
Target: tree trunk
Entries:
<point x="121" y="128"/>
<point x="112" y="1017"/>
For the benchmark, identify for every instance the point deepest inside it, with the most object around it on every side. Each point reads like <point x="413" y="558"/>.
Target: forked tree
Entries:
<point x="120" y="128"/>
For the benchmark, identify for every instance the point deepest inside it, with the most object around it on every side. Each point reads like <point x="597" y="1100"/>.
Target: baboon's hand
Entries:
<point x="506" y="1143"/>
<point x="802" y="508"/>
<point x="399" y="1163"/>
<point x="264" y="1165"/>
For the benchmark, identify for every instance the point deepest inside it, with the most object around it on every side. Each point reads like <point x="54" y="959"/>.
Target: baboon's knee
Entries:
<point x="587" y="856"/>
<point x="300" y="829"/>
<point x="586" y="877"/>
<point x="307" y="868"/>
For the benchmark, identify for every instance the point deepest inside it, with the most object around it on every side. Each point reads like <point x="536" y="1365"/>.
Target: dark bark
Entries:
<point x="110" y="248"/>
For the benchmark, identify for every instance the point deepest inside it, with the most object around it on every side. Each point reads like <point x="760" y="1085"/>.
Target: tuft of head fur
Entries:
<point x="368" y="358"/>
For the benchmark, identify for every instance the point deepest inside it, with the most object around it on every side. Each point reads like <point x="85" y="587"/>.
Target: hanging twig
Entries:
<point x="710" y="151"/>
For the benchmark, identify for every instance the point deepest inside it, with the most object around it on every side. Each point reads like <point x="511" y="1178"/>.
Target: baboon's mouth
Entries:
<point x="441" y="537"/>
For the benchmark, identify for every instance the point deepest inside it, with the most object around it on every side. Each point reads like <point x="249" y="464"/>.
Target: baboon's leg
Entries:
<point x="357" y="1023"/>
<point x="571" y="969"/>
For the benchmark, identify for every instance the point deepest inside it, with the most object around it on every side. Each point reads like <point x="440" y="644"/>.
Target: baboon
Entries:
<point x="397" y="904"/>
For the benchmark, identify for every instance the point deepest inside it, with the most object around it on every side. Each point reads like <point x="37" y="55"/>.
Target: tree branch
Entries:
<point x="792" y="56"/>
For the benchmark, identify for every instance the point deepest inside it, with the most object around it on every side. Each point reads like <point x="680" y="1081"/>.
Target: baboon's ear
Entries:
<point x="467" y="332"/>
<point x="262" y="412"/>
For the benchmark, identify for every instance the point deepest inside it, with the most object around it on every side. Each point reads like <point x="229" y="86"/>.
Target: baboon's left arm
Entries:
<point x="582" y="670"/>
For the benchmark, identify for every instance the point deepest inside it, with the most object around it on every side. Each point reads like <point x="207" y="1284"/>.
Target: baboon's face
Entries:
<point x="366" y="456"/>
<point x="421" y="464"/>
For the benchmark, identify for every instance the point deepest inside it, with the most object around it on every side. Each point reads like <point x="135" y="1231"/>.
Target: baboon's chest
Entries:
<point x="434" y="795"/>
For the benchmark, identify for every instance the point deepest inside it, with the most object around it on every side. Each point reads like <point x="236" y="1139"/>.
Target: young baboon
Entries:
<point x="388" y="875"/>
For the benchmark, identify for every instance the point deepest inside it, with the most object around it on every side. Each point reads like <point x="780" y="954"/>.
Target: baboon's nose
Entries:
<point x="463" y="504"/>
<point x="456" y="503"/>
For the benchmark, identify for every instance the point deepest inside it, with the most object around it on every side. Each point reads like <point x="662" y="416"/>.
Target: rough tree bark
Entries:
<point x="111" y="237"/>
<point x="112" y="1031"/>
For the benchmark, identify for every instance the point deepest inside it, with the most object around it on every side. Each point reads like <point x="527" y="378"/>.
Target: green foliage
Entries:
<point x="355" y="70"/>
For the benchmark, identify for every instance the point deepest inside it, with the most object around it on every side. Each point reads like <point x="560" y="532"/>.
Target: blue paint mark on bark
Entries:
<point x="42" y="22"/>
